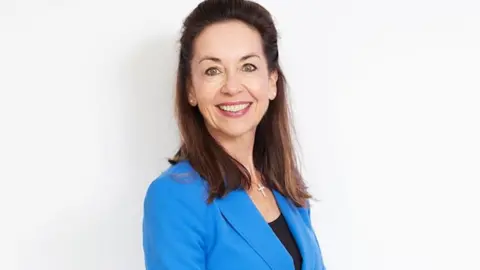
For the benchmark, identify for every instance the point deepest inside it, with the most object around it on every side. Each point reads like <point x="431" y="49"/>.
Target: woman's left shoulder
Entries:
<point x="304" y="211"/>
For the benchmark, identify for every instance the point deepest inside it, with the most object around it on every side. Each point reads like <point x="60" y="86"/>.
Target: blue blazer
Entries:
<point x="182" y="231"/>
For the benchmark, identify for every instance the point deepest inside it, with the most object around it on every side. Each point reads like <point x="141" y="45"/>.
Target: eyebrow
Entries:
<point x="217" y="60"/>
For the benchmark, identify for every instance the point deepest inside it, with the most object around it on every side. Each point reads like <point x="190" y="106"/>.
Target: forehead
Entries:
<point x="229" y="40"/>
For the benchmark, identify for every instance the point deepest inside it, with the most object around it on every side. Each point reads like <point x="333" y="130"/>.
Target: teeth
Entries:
<point x="233" y="108"/>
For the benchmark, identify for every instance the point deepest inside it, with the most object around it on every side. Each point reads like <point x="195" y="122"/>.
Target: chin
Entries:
<point x="237" y="130"/>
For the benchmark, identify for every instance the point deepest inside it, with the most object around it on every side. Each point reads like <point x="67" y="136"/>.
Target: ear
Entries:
<point x="272" y="82"/>
<point x="192" y="100"/>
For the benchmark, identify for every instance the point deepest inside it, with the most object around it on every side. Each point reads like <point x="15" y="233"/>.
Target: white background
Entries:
<point x="386" y="101"/>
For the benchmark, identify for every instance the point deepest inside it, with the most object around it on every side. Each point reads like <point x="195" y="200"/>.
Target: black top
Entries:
<point x="280" y="227"/>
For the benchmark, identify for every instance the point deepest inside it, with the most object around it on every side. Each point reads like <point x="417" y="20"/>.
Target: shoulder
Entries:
<point x="179" y="180"/>
<point x="180" y="186"/>
<point x="174" y="220"/>
<point x="305" y="212"/>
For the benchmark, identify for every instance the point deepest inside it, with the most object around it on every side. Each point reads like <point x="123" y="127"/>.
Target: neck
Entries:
<point x="240" y="148"/>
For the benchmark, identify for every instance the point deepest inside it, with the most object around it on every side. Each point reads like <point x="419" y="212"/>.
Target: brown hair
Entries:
<point x="273" y="152"/>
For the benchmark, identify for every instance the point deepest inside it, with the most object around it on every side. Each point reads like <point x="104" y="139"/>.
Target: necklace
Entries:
<point x="261" y="188"/>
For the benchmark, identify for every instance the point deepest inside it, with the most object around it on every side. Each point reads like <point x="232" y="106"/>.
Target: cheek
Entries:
<point x="258" y="88"/>
<point x="206" y="89"/>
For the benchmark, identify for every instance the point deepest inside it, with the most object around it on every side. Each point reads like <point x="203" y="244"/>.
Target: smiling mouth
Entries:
<point x="234" y="108"/>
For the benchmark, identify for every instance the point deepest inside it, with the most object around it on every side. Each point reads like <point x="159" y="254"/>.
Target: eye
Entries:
<point x="212" y="71"/>
<point x="249" y="68"/>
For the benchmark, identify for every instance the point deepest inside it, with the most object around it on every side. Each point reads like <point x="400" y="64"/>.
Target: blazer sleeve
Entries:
<point x="173" y="227"/>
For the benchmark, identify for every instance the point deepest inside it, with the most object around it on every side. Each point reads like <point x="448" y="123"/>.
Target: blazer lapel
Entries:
<point x="242" y="214"/>
<point x="299" y="230"/>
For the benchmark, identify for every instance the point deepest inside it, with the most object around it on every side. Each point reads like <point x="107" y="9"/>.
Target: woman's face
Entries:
<point x="230" y="81"/>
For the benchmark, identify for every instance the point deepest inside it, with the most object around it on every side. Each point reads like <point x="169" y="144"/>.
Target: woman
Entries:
<point x="233" y="197"/>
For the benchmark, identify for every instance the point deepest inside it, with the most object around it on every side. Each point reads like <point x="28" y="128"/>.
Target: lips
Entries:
<point x="234" y="109"/>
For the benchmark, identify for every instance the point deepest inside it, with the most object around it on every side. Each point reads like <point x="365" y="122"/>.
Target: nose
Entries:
<point x="232" y="84"/>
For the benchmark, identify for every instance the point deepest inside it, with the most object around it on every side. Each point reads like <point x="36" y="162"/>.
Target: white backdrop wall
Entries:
<point x="386" y="101"/>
